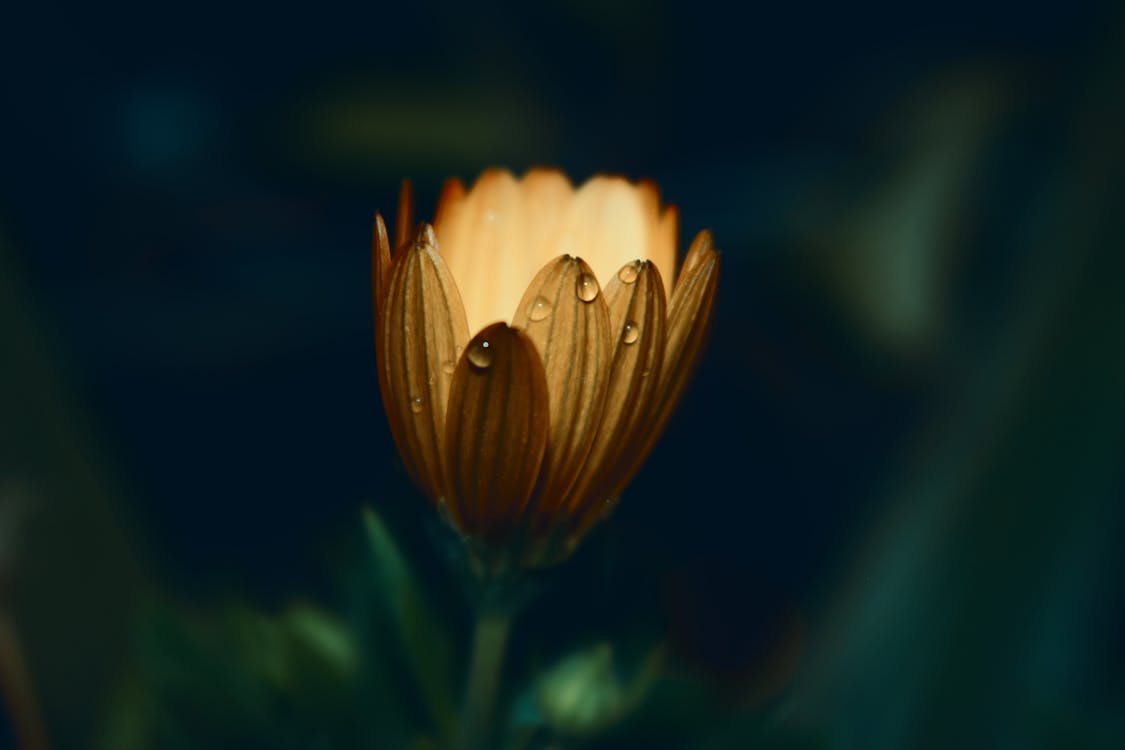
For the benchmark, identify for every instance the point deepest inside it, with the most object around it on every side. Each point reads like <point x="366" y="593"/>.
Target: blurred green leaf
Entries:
<point x="426" y="644"/>
<point x="237" y="678"/>
<point x="591" y="689"/>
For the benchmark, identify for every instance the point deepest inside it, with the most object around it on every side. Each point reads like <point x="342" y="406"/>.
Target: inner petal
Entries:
<point x="502" y="232"/>
<point x="482" y="241"/>
<point x="605" y="225"/>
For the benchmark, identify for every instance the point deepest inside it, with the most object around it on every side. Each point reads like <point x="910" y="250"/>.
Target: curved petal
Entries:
<point x="637" y="314"/>
<point x="566" y="316"/>
<point x="450" y="202"/>
<point x="547" y="194"/>
<point x="380" y="263"/>
<point x="482" y="240"/>
<point x="404" y="221"/>
<point x="496" y="431"/>
<point x="665" y="246"/>
<point x="421" y="333"/>
<point x="703" y="244"/>
<point x="689" y="317"/>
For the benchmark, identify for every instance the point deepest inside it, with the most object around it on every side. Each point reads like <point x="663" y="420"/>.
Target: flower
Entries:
<point x="522" y="395"/>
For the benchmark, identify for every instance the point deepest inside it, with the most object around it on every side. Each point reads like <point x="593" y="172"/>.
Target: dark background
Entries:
<point x="890" y="508"/>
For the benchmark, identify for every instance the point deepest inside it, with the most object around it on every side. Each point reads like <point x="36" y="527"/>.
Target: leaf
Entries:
<point x="426" y="645"/>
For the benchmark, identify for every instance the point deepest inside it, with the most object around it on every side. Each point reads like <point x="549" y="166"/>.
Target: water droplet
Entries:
<point x="430" y="380"/>
<point x="480" y="354"/>
<point x="540" y="309"/>
<point x="645" y="372"/>
<point x="631" y="332"/>
<point x="586" y="287"/>
<point x="447" y="368"/>
<point x="491" y="215"/>
<point x="628" y="273"/>
<point x="416" y="404"/>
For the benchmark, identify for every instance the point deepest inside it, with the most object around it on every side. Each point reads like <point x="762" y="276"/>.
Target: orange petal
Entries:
<point x="565" y="314"/>
<point x="496" y="431"/>
<point x="637" y="314"/>
<point x="547" y="194"/>
<point x="666" y="245"/>
<point x="451" y="200"/>
<point x="422" y="332"/>
<point x="404" y="222"/>
<point x="649" y="193"/>
<point x="605" y="224"/>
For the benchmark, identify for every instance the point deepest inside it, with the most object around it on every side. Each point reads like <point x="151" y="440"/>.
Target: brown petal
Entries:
<point x="404" y="222"/>
<point x="689" y="318"/>
<point x="566" y="316"/>
<point x="700" y="246"/>
<point x="637" y="314"/>
<point x="380" y="263"/>
<point x="422" y="331"/>
<point x="381" y="267"/>
<point x="496" y="431"/>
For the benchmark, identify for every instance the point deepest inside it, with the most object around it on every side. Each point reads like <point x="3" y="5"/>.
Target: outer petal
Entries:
<point x="496" y="431"/>
<point x="688" y="322"/>
<point x="380" y="262"/>
<point x="637" y="313"/>
<point x="566" y="316"/>
<point x="689" y="318"/>
<point x="703" y="244"/>
<point x="422" y="331"/>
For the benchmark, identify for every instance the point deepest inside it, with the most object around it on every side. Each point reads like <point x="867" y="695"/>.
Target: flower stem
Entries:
<point x="490" y="638"/>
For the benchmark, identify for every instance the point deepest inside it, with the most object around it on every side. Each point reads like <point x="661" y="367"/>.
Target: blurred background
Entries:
<point x="888" y="513"/>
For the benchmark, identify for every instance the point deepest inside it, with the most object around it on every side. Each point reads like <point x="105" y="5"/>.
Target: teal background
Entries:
<point x="888" y="513"/>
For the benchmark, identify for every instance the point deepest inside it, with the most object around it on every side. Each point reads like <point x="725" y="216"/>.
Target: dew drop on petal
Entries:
<point x="628" y="273"/>
<point x="416" y="404"/>
<point x="480" y="354"/>
<point x="586" y="287"/>
<point x="540" y="309"/>
<point x="631" y="332"/>
<point x="447" y="368"/>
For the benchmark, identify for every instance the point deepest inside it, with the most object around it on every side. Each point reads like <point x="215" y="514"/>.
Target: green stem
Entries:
<point x="490" y="637"/>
